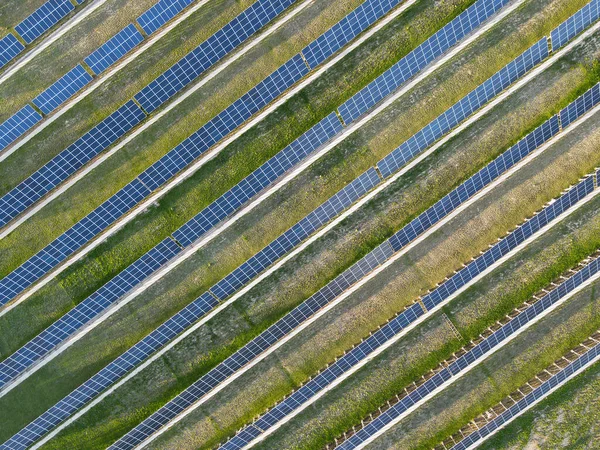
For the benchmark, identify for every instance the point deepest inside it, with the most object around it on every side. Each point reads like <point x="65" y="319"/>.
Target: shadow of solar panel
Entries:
<point x="261" y="178"/>
<point x="210" y="52"/>
<point x="258" y="345"/>
<point x="507" y="244"/>
<point x="346" y="29"/>
<point x="15" y="126"/>
<point x="69" y="161"/>
<point x="465" y="360"/>
<point x="464" y="108"/>
<point x="579" y="107"/>
<point x="44" y="18"/>
<point x="71" y="240"/>
<point x="62" y="89"/>
<point x="114" y="49"/>
<point x="86" y="311"/>
<point x="225" y="122"/>
<point x="474" y="184"/>
<point x="161" y="13"/>
<point x="417" y="59"/>
<point x="9" y="48"/>
<point x="575" y="24"/>
<point x="530" y="399"/>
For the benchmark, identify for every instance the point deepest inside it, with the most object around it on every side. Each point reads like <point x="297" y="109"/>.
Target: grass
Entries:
<point x="201" y="351"/>
<point x="386" y="294"/>
<point x="178" y="206"/>
<point x="68" y="51"/>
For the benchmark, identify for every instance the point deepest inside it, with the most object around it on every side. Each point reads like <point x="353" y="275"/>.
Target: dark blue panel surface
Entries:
<point x="161" y="13"/>
<point x="9" y="48"/>
<point x="44" y="18"/>
<point x="16" y="125"/>
<point x="575" y="24"/>
<point x="62" y="89"/>
<point x="114" y="49"/>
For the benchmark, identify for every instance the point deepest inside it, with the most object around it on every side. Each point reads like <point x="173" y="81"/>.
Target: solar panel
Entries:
<point x="417" y="59"/>
<point x="71" y="240"/>
<point x="210" y="52"/>
<point x="579" y="107"/>
<point x="9" y="48"/>
<point x="15" y="126"/>
<point x="346" y="29"/>
<point x="454" y="368"/>
<point x="191" y="313"/>
<point x="530" y="399"/>
<point x="575" y="24"/>
<point x="464" y="108"/>
<point x="161" y="13"/>
<point x="230" y="202"/>
<point x="44" y="18"/>
<point x="69" y="161"/>
<point x="255" y="347"/>
<point x="225" y="122"/>
<point x="63" y="89"/>
<point x="114" y="49"/>
<point x="86" y="311"/>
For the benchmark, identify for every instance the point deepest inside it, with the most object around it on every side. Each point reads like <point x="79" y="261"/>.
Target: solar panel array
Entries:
<point x="255" y="347"/>
<point x="419" y="58"/>
<point x="44" y="18"/>
<point x="530" y="399"/>
<point x="161" y="13"/>
<point x="468" y="359"/>
<point x="209" y="52"/>
<point x="575" y="24"/>
<point x="382" y="336"/>
<point x="63" y="89"/>
<point x="191" y="313"/>
<point x="16" y="125"/>
<point x="579" y="107"/>
<point x="86" y="311"/>
<point x="71" y="240"/>
<point x="69" y="160"/>
<point x="346" y="29"/>
<point x="9" y="48"/>
<point x="114" y="49"/>
<point x="504" y="246"/>
<point x="464" y="108"/>
<point x="264" y="176"/>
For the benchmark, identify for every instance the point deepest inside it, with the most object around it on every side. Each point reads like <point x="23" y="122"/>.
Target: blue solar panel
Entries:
<point x="199" y="307"/>
<point x="579" y="107"/>
<point x="417" y="59"/>
<point x="44" y="18"/>
<point x="209" y="52"/>
<point x="575" y="24"/>
<point x="530" y="399"/>
<point x="464" y="108"/>
<point x="9" y="48"/>
<point x="69" y="161"/>
<point x="225" y="122"/>
<point x="71" y="240"/>
<point x="15" y="126"/>
<point x="114" y="49"/>
<point x="86" y="311"/>
<point x="346" y="29"/>
<point x="63" y="89"/>
<point x="255" y="347"/>
<point x="161" y="13"/>
<point x="463" y="362"/>
<point x="230" y="202"/>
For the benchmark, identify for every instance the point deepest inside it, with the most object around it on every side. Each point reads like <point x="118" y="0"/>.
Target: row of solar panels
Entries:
<point x="302" y="313"/>
<point x="223" y="207"/>
<point x="554" y="382"/>
<point x="156" y="175"/>
<point x="463" y="363"/>
<point x="261" y="261"/>
<point x="408" y="234"/>
<point x="98" y="61"/>
<point x="254" y="265"/>
<point x="36" y="24"/>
